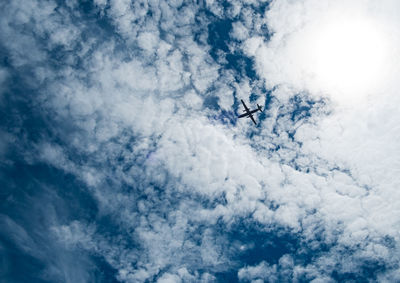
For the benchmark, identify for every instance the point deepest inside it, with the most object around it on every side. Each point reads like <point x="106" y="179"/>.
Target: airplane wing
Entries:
<point x="245" y="107"/>
<point x="252" y="118"/>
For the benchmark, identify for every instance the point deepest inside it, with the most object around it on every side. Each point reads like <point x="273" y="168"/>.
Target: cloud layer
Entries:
<point x="122" y="158"/>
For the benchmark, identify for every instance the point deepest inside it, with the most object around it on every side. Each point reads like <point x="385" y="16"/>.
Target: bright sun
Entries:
<point x="347" y="57"/>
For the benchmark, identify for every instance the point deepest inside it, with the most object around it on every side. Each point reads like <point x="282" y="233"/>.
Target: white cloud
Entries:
<point x="148" y="41"/>
<point x="139" y="121"/>
<point x="306" y="34"/>
<point x="284" y="270"/>
<point x="358" y="136"/>
<point x="239" y="31"/>
<point x="204" y="158"/>
<point x="169" y="278"/>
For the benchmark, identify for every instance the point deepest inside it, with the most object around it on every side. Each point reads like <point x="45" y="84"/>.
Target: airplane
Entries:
<point x="249" y="113"/>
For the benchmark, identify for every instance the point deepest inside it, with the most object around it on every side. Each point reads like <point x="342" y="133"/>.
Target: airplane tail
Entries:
<point x="259" y="108"/>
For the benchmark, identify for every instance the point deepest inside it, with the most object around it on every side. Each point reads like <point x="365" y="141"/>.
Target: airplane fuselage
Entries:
<point x="248" y="113"/>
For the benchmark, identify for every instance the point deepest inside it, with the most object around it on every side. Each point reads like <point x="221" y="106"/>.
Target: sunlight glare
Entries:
<point x="348" y="57"/>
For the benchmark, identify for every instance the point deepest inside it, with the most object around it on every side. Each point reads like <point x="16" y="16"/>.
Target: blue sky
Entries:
<point x="122" y="160"/>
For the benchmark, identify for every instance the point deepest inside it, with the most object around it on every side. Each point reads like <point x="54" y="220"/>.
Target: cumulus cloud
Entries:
<point x="346" y="135"/>
<point x="356" y="136"/>
<point x="284" y="270"/>
<point x="131" y="120"/>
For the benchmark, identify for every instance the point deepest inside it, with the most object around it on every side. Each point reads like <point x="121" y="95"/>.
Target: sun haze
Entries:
<point x="338" y="51"/>
<point x="348" y="56"/>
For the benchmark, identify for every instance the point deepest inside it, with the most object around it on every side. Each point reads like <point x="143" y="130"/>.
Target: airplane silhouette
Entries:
<point x="249" y="113"/>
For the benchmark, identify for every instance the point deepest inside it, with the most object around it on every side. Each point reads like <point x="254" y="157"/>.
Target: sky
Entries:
<point x="122" y="158"/>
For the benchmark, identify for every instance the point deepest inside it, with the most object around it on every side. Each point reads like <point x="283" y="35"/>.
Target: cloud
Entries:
<point x="284" y="270"/>
<point x="130" y="121"/>
<point x="355" y="139"/>
<point x="300" y="30"/>
<point x="28" y="245"/>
